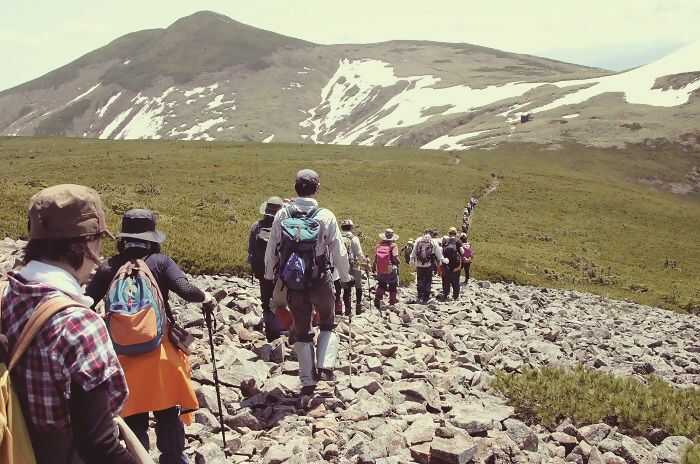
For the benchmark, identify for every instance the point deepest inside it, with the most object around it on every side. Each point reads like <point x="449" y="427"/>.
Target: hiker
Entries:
<point x="356" y="259"/>
<point x="467" y="256"/>
<point x="425" y="253"/>
<point x="257" y="245"/>
<point x="452" y="269"/>
<point x="386" y="266"/>
<point x="69" y="381"/>
<point x="158" y="377"/>
<point x="407" y="249"/>
<point x="305" y="248"/>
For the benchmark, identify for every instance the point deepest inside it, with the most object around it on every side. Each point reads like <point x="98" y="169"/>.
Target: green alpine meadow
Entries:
<point x="574" y="217"/>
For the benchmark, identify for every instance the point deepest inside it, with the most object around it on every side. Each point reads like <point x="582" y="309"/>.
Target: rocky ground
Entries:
<point x="413" y="382"/>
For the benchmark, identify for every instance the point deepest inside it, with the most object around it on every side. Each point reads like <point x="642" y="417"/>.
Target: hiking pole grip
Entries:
<point x="208" y="320"/>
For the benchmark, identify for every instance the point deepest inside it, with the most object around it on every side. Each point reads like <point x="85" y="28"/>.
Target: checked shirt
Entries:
<point x="72" y="348"/>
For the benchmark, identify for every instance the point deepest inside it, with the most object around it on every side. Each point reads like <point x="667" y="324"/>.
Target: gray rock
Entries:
<point x="521" y="434"/>
<point x="421" y="431"/>
<point x="277" y="454"/>
<point x="209" y="453"/>
<point x="672" y="449"/>
<point x="477" y="418"/>
<point x="594" y="433"/>
<point x="452" y="451"/>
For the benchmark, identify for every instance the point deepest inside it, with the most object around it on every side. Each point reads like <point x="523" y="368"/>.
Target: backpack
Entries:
<point x="262" y="236"/>
<point x="297" y="250"/>
<point x="15" y="444"/>
<point x="134" y="310"/>
<point x="347" y="241"/>
<point x="382" y="258"/>
<point x="424" y="250"/>
<point x="451" y="252"/>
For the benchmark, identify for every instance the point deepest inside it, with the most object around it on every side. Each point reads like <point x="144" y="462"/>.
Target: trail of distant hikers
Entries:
<point x="93" y="347"/>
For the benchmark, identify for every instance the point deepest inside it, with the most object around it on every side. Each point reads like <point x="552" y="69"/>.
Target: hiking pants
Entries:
<point x="302" y="304"/>
<point x="387" y="282"/>
<point x="347" y="291"/>
<point x="450" y="280"/>
<point x="466" y="267"/>
<point x="425" y="281"/>
<point x="170" y="434"/>
<point x="272" y="328"/>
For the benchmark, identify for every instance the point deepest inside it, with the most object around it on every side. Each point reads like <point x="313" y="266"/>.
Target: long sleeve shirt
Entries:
<point x="329" y="244"/>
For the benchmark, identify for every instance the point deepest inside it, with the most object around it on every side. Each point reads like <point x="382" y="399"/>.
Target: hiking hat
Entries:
<point x="452" y="231"/>
<point x="66" y="211"/>
<point x="141" y="224"/>
<point x="347" y="223"/>
<point x="271" y="206"/>
<point x="389" y="235"/>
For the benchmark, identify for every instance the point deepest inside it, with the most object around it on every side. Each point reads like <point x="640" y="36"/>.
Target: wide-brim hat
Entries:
<point x="271" y="206"/>
<point x="140" y="224"/>
<point x="389" y="235"/>
<point x="66" y="211"/>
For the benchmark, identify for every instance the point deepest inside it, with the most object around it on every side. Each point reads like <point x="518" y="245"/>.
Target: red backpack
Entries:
<point x="382" y="256"/>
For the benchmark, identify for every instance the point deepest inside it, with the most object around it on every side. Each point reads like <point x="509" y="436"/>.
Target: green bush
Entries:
<point x="692" y="456"/>
<point x="587" y="396"/>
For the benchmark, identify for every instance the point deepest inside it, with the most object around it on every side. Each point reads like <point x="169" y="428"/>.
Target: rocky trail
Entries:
<point x="419" y="389"/>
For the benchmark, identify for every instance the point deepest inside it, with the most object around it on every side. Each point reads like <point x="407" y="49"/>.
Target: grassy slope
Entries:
<point x="550" y="210"/>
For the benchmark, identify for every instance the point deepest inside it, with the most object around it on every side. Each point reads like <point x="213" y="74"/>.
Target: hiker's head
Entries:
<point x="271" y="206"/>
<point x="452" y="232"/>
<point x="434" y="233"/>
<point x="346" y="225"/>
<point x="463" y="238"/>
<point x="66" y="227"/>
<point x="307" y="183"/>
<point x="140" y="224"/>
<point x="427" y="232"/>
<point x="389" y="236"/>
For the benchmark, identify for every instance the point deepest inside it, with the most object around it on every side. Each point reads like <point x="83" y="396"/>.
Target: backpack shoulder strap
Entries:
<point x="45" y="311"/>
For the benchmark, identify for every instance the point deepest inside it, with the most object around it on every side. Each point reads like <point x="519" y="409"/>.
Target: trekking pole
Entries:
<point x="208" y="319"/>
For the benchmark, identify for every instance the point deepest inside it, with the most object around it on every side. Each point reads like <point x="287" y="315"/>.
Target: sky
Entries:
<point x="40" y="35"/>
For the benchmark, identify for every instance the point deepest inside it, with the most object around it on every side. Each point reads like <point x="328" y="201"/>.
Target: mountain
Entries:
<point x="208" y="77"/>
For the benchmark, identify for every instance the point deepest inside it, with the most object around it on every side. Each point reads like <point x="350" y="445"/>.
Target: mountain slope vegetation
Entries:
<point x="574" y="218"/>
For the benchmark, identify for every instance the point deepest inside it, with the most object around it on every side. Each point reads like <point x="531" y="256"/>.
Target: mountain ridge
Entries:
<point x="209" y="77"/>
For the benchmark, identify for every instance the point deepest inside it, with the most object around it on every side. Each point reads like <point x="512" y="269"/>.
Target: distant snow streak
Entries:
<point x="198" y="130"/>
<point x="268" y="139"/>
<point x="102" y="111"/>
<point x="452" y="142"/>
<point x="84" y="94"/>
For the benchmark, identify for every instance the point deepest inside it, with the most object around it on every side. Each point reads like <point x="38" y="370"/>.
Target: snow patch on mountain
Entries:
<point x="571" y="116"/>
<point x="108" y="131"/>
<point x="268" y="139"/>
<point x="357" y="83"/>
<point x="84" y="94"/>
<point x="637" y="84"/>
<point x="102" y="111"/>
<point x="198" y="131"/>
<point x="149" y="119"/>
<point x="452" y="142"/>
<point x="219" y="101"/>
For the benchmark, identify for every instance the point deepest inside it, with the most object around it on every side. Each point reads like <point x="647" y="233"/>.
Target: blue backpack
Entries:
<point x="134" y="310"/>
<point x="298" y="263"/>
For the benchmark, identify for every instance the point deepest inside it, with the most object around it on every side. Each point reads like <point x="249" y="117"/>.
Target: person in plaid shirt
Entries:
<point x="69" y="382"/>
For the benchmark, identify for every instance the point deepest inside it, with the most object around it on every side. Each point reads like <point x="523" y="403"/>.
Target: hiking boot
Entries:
<point x="326" y="374"/>
<point x="305" y="396"/>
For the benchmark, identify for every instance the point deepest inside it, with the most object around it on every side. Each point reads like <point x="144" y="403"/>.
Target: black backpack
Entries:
<point x="451" y="252"/>
<point x="262" y="236"/>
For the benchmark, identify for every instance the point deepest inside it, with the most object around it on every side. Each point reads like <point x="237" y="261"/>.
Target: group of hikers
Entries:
<point x="72" y="366"/>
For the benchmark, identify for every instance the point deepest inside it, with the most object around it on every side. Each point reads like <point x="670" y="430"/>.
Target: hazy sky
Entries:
<point x="37" y="36"/>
